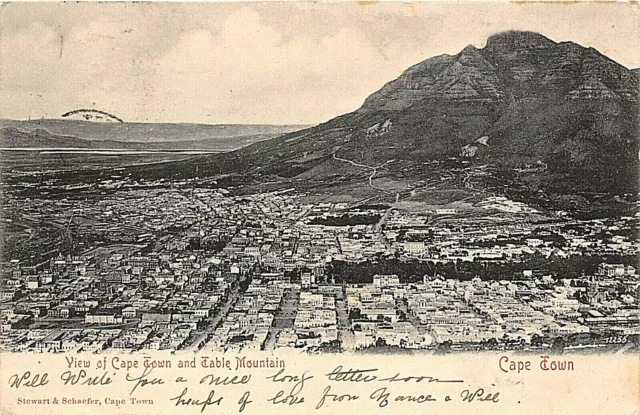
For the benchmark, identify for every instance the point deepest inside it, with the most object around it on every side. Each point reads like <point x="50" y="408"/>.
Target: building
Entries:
<point x="386" y="280"/>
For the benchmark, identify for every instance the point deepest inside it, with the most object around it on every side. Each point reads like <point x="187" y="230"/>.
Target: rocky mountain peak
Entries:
<point x="513" y="65"/>
<point x="470" y="50"/>
<point x="514" y="40"/>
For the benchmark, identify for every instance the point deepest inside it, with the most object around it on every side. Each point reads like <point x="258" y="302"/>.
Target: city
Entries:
<point x="183" y="266"/>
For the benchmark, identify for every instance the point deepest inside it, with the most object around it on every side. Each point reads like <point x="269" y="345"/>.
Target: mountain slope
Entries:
<point x="536" y="100"/>
<point x="539" y="120"/>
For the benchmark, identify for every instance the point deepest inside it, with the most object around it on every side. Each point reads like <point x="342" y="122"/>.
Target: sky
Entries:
<point x="257" y="63"/>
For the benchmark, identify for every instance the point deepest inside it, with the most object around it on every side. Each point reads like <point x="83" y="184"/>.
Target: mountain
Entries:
<point x="146" y="132"/>
<point x="11" y="137"/>
<point x="554" y="124"/>
<point x="534" y="99"/>
<point x="84" y="134"/>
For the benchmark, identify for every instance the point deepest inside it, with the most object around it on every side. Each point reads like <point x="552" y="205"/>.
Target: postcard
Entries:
<point x="319" y="207"/>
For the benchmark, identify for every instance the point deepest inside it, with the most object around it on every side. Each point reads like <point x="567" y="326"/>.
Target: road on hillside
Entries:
<point x="374" y="170"/>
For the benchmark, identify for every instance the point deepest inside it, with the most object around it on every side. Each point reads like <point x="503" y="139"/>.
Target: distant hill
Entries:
<point x="84" y="134"/>
<point x="146" y="132"/>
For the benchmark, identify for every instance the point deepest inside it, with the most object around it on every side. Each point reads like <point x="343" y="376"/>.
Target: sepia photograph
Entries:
<point x="226" y="182"/>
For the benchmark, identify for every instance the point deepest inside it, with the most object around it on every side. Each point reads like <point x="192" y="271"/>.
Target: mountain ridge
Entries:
<point x="145" y="132"/>
<point x="508" y="58"/>
<point x="13" y="138"/>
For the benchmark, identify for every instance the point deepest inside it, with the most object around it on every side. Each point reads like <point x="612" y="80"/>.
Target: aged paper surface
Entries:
<point x="598" y="385"/>
<point x="319" y="208"/>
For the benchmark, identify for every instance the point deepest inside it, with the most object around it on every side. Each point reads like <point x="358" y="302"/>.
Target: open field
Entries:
<point x="30" y="161"/>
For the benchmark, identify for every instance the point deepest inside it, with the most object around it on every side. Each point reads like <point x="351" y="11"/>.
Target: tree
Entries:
<point x="402" y="316"/>
<point x="381" y="342"/>
<point x="558" y="345"/>
<point x="355" y="314"/>
<point x="444" y="347"/>
<point x="536" y="340"/>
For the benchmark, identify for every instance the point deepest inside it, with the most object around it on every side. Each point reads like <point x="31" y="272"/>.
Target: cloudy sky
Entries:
<point x="279" y="63"/>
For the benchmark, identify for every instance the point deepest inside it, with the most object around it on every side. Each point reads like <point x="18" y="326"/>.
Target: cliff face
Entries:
<point x="466" y="76"/>
<point x="536" y="100"/>
<point x="511" y="67"/>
